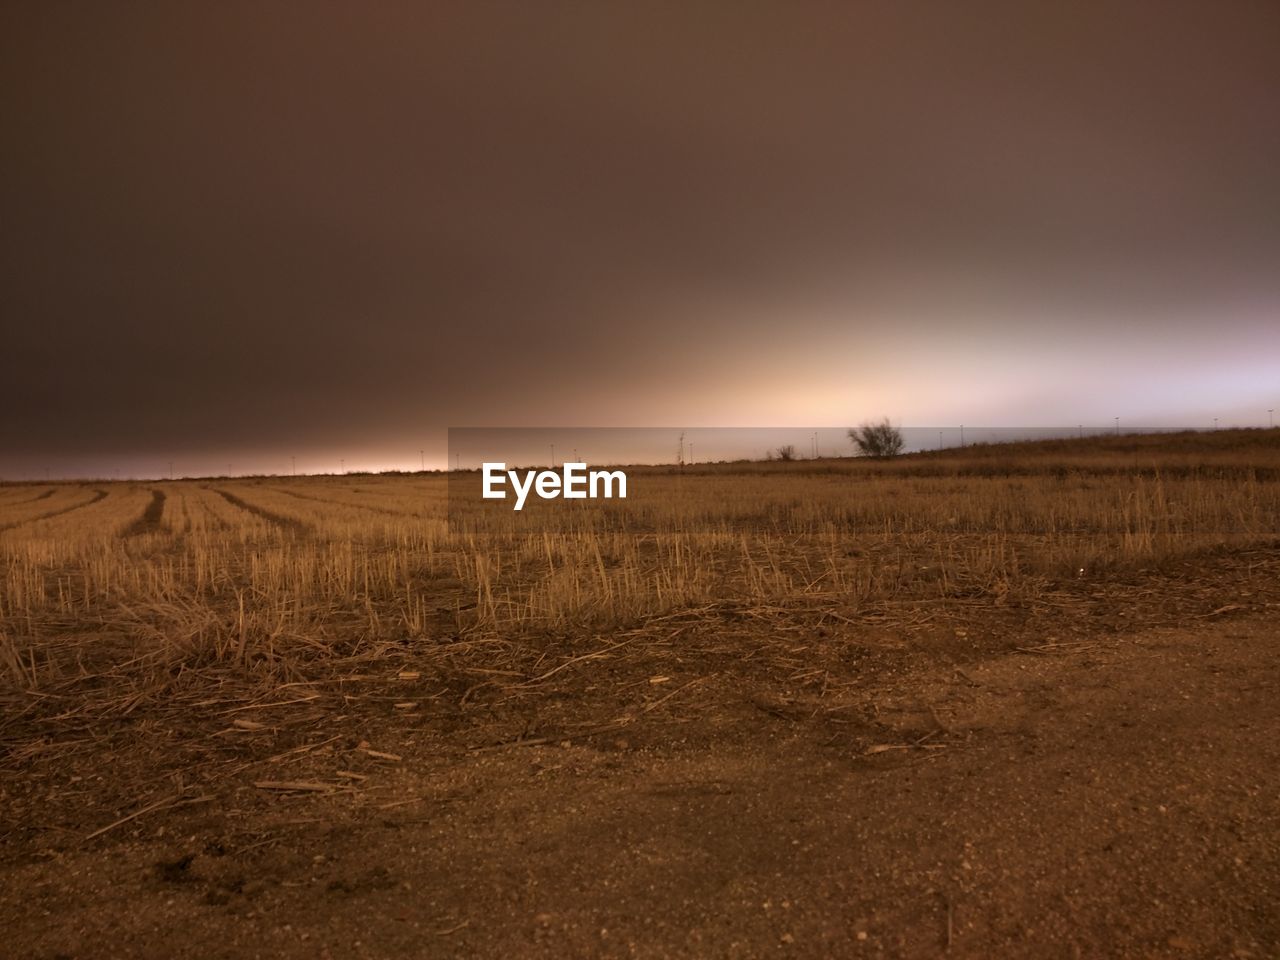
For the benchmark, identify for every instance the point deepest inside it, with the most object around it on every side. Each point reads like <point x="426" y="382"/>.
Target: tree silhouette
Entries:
<point x="881" y="439"/>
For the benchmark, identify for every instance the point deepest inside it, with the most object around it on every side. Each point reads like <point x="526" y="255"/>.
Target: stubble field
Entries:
<point x="219" y="686"/>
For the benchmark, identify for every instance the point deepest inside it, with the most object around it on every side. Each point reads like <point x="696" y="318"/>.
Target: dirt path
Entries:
<point x="1110" y="799"/>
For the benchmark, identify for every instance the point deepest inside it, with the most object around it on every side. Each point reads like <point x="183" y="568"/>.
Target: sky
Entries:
<point x="247" y="236"/>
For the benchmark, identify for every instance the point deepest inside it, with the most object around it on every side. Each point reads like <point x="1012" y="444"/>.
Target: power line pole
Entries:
<point x="1117" y="420"/>
<point x="1271" y="420"/>
<point x="293" y="465"/>
<point x="1215" y="423"/>
<point x="170" y="469"/>
<point x="962" y="435"/>
<point x="423" y="455"/>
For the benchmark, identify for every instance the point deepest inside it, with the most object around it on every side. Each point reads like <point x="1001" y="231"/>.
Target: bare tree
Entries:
<point x="787" y="452"/>
<point x="881" y="439"/>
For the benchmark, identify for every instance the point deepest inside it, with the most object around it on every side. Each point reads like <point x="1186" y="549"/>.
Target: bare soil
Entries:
<point x="1066" y="786"/>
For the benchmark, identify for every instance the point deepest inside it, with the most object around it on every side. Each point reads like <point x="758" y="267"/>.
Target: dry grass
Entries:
<point x="281" y="580"/>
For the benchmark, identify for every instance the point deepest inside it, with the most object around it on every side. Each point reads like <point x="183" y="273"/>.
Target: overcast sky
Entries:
<point x="235" y="233"/>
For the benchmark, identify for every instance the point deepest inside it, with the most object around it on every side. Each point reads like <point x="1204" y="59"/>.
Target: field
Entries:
<point x="222" y="694"/>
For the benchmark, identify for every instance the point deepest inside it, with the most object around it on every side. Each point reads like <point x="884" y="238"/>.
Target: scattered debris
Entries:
<point x="368" y="751"/>
<point x="297" y="786"/>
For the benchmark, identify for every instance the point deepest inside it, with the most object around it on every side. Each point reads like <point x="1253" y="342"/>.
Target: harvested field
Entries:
<point x="771" y="712"/>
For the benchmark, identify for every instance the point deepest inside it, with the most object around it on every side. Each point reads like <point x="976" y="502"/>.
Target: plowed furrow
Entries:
<point x="98" y="496"/>
<point x="149" y="522"/>
<point x="292" y="524"/>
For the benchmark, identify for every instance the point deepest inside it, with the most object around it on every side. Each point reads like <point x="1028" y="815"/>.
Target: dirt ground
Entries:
<point x="1094" y="793"/>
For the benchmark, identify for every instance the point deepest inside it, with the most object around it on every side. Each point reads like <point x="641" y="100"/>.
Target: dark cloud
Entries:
<point x="245" y="226"/>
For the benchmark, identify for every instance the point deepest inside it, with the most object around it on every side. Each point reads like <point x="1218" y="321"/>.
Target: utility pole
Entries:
<point x="1117" y="420"/>
<point x="170" y="469"/>
<point x="1271" y="420"/>
<point x="423" y="455"/>
<point x="293" y="465"/>
<point x="457" y="461"/>
<point x="1081" y="429"/>
<point x="1215" y="423"/>
<point x="962" y="435"/>
<point x="342" y="466"/>
<point x="939" y="439"/>
<point x="691" y="454"/>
